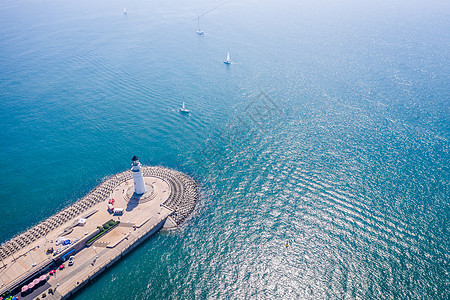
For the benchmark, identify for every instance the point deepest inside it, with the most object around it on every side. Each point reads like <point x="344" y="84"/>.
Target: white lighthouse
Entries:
<point x="138" y="178"/>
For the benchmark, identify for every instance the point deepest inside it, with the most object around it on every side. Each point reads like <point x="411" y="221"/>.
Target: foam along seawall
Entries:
<point x="169" y="198"/>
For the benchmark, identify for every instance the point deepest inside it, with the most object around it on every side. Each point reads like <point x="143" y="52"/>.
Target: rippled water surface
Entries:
<point x="328" y="132"/>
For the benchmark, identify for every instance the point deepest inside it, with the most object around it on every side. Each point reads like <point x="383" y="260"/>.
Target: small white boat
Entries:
<point x="184" y="110"/>
<point x="228" y="61"/>
<point x="124" y="11"/>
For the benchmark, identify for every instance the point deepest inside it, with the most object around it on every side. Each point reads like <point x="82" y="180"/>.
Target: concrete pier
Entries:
<point x="169" y="199"/>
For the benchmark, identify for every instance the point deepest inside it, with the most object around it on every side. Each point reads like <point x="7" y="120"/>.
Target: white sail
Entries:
<point x="199" y="31"/>
<point x="228" y="61"/>
<point x="183" y="109"/>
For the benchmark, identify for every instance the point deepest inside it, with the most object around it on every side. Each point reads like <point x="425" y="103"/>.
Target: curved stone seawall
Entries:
<point x="184" y="191"/>
<point x="184" y="195"/>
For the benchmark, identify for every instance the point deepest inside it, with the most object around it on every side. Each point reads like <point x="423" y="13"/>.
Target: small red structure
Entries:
<point x="111" y="201"/>
<point x="61" y="267"/>
<point x="52" y="272"/>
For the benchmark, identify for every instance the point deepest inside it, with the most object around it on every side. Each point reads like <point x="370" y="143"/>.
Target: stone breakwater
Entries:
<point x="183" y="197"/>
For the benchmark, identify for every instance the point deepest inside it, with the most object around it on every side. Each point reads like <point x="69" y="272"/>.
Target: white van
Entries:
<point x="118" y="211"/>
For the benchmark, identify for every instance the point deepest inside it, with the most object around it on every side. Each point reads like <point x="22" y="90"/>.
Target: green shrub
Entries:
<point x="44" y="295"/>
<point x="37" y="298"/>
<point x="50" y="291"/>
<point x="95" y="237"/>
<point x="103" y="230"/>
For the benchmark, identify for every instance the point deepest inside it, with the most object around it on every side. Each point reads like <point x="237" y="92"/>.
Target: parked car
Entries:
<point x="71" y="260"/>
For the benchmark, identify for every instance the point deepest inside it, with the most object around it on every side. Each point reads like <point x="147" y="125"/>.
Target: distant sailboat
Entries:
<point x="184" y="110"/>
<point x="199" y="32"/>
<point x="228" y="61"/>
<point x="124" y="11"/>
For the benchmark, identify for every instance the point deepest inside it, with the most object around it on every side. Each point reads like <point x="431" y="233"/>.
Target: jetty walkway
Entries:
<point x="171" y="196"/>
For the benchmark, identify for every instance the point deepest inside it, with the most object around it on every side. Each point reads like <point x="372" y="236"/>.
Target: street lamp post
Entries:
<point x="45" y="243"/>
<point x="34" y="263"/>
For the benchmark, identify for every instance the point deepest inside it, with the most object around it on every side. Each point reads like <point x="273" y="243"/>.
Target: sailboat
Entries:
<point x="184" y="110"/>
<point x="228" y="61"/>
<point x="199" y="32"/>
<point x="124" y="11"/>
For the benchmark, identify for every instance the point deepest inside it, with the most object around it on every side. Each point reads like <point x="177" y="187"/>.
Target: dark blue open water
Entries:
<point x="346" y="157"/>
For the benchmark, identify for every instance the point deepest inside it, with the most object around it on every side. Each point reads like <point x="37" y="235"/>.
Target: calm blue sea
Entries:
<point x="329" y="131"/>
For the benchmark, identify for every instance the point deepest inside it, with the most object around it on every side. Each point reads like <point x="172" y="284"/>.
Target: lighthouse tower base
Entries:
<point x="139" y="184"/>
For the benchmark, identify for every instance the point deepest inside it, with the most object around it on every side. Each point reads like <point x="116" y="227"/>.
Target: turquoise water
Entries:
<point x="349" y="165"/>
